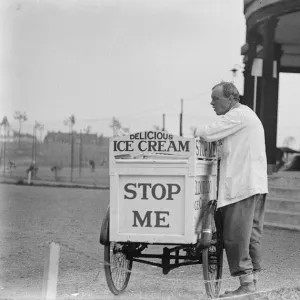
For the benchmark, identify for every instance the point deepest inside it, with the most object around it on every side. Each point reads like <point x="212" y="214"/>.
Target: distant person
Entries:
<point x="56" y="169"/>
<point x="285" y="165"/>
<point x="279" y="158"/>
<point x="33" y="169"/>
<point x="104" y="163"/>
<point x="11" y="165"/>
<point x="92" y="165"/>
<point x="243" y="183"/>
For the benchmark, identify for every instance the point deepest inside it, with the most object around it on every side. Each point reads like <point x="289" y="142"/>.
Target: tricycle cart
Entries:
<point x="163" y="191"/>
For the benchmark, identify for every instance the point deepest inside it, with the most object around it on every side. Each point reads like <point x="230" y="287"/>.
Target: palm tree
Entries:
<point x="21" y="118"/>
<point x="87" y="130"/>
<point x="40" y="128"/>
<point x="4" y="122"/>
<point x="70" y="122"/>
<point x="115" y="125"/>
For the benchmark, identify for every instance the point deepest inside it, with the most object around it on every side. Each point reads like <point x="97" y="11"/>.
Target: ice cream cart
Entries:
<point x="163" y="191"/>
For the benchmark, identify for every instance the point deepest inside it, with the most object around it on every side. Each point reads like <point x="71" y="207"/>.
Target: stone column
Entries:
<point x="269" y="92"/>
<point x="248" y="79"/>
<point x="253" y="40"/>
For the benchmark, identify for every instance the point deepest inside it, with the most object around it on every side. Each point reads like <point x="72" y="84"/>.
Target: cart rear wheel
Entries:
<point x="117" y="267"/>
<point x="104" y="233"/>
<point x="212" y="260"/>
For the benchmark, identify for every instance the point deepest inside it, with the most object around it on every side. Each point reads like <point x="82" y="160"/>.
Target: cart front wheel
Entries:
<point x="117" y="267"/>
<point x="212" y="260"/>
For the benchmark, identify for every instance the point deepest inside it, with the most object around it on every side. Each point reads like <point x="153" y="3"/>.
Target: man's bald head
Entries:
<point x="229" y="90"/>
<point x="224" y="96"/>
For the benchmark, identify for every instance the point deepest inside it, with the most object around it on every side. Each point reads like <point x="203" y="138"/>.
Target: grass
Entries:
<point x="99" y="177"/>
<point x="50" y="154"/>
<point x="58" y="154"/>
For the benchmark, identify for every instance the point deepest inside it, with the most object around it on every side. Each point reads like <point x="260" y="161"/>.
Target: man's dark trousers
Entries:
<point x="242" y="231"/>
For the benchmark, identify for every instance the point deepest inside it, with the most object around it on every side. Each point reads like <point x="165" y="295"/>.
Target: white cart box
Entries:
<point x="159" y="184"/>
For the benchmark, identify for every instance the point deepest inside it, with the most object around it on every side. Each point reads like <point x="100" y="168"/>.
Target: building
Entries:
<point x="6" y="136"/>
<point x="61" y="137"/>
<point x="65" y="137"/>
<point x="23" y="137"/>
<point x="272" y="47"/>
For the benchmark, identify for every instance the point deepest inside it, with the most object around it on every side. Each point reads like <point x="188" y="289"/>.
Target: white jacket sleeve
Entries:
<point x="227" y="125"/>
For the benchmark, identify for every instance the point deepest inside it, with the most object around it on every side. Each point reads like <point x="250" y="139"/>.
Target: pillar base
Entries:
<point x="271" y="169"/>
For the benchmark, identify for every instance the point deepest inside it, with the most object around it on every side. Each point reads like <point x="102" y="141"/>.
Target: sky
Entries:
<point x="133" y="60"/>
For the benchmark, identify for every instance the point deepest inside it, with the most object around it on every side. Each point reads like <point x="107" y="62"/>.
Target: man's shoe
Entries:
<point x="241" y="293"/>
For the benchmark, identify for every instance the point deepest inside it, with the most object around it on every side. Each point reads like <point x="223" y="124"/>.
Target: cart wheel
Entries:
<point x="212" y="260"/>
<point x="104" y="233"/>
<point x="117" y="267"/>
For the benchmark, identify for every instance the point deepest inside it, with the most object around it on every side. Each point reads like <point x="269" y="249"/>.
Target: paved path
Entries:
<point x="31" y="217"/>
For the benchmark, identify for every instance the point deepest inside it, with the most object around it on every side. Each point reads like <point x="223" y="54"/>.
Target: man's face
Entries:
<point x="220" y="104"/>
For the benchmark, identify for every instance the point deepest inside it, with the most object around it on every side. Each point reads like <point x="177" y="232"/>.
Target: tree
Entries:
<point x="115" y="125"/>
<point x="21" y="118"/>
<point x="101" y="139"/>
<point x="4" y="122"/>
<point x="87" y="130"/>
<point x="39" y="127"/>
<point x="70" y="122"/>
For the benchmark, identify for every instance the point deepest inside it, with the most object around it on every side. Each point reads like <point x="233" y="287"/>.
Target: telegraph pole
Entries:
<point x="180" y="119"/>
<point x="164" y="122"/>
<point x="33" y="143"/>
<point x="80" y="154"/>
<point x="4" y="149"/>
<point x="72" y="153"/>
<point x="5" y="135"/>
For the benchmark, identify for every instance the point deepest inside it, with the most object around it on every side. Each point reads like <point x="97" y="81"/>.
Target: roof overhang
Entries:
<point x="287" y="35"/>
<point x="287" y="32"/>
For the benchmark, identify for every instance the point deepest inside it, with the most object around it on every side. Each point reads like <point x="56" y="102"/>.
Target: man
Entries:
<point x="243" y="182"/>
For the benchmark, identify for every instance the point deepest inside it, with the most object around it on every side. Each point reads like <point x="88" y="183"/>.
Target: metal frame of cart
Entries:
<point x="163" y="191"/>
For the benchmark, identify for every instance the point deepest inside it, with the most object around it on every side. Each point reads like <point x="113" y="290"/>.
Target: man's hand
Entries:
<point x="194" y="129"/>
<point x="194" y="132"/>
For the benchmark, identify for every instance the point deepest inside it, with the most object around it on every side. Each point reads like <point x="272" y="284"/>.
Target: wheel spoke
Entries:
<point x="118" y="271"/>
<point x="212" y="264"/>
<point x="119" y="264"/>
